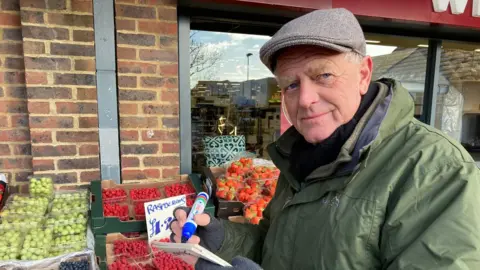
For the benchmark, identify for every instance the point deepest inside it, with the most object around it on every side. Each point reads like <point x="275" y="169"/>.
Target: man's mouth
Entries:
<point x="310" y="117"/>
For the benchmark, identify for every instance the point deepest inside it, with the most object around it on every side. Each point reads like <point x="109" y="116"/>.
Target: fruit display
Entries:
<point x="69" y="203"/>
<point x="68" y="196"/>
<point x="130" y="249"/>
<point x="116" y="210"/>
<point x="180" y="189"/>
<point x="262" y="174"/>
<point x="139" y="209"/>
<point x="10" y="245"/>
<point x="22" y="205"/>
<point x="78" y="240"/>
<point x="76" y="265"/>
<point x="20" y="223"/>
<point x="245" y="182"/>
<point x="67" y="225"/>
<point x="37" y="244"/>
<point x="69" y="243"/>
<point x="42" y="187"/>
<point x="253" y="212"/>
<point x="128" y="264"/>
<point x="240" y="167"/>
<point x="164" y="260"/>
<point x="110" y="195"/>
<point x="145" y="194"/>
<point x="249" y="192"/>
<point x="29" y="223"/>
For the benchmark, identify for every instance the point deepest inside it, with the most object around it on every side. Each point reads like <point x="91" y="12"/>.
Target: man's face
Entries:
<point x="322" y="89"/>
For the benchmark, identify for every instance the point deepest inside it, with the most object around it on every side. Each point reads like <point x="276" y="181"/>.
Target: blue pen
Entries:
<point x="198" y="206"/>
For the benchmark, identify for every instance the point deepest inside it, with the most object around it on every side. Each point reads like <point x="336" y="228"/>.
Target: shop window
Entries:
<point x="235" y="98"/>
<point x="457" y="110"/>
<point x="403" y="59"/>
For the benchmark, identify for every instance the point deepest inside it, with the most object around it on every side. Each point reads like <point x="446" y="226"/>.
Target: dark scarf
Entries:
<point x="306" y="157"/>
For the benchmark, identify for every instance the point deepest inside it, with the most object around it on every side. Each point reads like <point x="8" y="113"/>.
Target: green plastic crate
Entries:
<point x="104" y="225"/>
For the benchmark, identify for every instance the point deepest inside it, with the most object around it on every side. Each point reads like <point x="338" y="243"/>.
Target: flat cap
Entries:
<point x="336" y="29"/>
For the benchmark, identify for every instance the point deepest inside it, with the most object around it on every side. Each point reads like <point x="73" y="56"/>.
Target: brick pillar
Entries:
<point x="147" y="58"/>
<point x="59" y="61"/>
<point x="15" y="150"/>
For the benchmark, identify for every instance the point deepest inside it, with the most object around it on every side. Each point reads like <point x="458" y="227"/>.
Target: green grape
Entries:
<point x="42" y="187"/>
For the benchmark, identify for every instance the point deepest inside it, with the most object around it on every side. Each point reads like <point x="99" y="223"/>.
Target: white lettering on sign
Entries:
<point x="457" y="6"/>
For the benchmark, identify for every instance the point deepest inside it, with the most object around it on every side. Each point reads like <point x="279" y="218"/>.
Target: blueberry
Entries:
<point x="76" y="265"/>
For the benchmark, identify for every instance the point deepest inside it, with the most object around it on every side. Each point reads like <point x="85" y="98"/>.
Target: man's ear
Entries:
<point x="366" y="69"/>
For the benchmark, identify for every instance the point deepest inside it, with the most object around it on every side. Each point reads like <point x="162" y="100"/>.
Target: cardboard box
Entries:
<point x="106" y="184"/>
<point x="102" y="225"/>
<point x="112" y="237"/>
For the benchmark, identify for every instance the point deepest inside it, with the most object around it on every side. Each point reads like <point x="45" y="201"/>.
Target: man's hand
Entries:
<point x="238" y="263"/>
<point x="210" y="232"/>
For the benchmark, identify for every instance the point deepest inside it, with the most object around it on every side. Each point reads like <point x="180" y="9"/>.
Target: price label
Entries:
<point x="159" y="215"/>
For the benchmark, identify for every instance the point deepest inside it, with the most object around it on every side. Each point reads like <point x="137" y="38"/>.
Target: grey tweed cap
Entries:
<point x="336" y="29"/>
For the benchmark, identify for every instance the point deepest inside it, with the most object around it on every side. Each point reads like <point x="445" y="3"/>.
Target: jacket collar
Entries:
<point x="389" y="111"/>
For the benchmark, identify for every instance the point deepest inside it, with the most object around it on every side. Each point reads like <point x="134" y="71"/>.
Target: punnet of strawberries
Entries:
<point x="253" y="185"/>
<point x="253" y="211"/>
<point x="245" y="182"/>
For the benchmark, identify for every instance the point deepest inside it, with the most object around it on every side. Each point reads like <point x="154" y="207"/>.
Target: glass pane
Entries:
<point x="403" y="59"/>
<point x="233" y="94"/>
<point x="458" y="98"/>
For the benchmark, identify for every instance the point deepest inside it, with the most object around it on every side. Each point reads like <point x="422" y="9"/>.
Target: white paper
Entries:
<point x="159" y="215"/>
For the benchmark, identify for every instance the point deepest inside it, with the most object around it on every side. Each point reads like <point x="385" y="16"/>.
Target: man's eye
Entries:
<point x="324" y="76"/>
<point x="291" y="87"/>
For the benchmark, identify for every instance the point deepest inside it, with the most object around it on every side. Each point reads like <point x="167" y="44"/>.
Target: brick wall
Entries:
<point x="15" y="150"/>
<point x="48" y="97"/>
<point x="59" y="59"/>
<point x="148" y="83"/>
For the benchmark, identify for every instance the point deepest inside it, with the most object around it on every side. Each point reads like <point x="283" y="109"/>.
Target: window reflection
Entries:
<point x="457" y="108"/>
<point x="403" y="59"/>
<point x="233" y="94"/>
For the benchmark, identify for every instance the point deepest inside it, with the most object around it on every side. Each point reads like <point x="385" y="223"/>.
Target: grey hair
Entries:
<point x="354" y="57"/>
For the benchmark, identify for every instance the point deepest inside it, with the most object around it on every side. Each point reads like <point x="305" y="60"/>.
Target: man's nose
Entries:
<point x="307" y="93"/>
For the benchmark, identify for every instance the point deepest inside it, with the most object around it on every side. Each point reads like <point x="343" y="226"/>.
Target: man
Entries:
<point x="363" y="184"/>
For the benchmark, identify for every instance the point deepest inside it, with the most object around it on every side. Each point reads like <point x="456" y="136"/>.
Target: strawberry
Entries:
<point x="255" y="220"/>
<point x="221" y="194"/>
<point x="231" y="196"/>
<point x="249" y="214"/>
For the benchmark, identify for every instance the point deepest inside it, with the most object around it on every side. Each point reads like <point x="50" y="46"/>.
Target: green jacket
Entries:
<point x="401" y="195"/>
